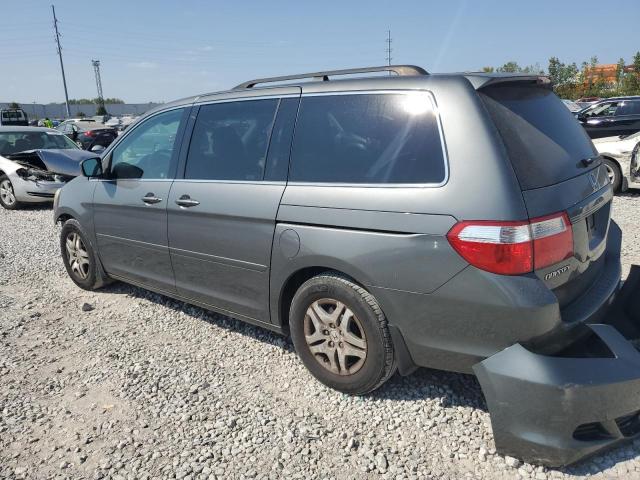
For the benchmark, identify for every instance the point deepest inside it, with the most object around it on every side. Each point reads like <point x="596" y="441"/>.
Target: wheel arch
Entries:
<point x="294" y="281"/>
<point x="613" y="159"/>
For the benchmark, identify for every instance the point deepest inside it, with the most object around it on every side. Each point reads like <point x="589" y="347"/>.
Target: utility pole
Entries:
<point x="64" y="80"/>
<point x="389" y="40"/>
<point x="96" y="70"/>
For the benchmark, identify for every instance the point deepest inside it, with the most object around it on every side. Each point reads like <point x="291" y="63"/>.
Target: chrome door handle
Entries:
<point x="186" y="201"/>
<point x="150" y="199"/>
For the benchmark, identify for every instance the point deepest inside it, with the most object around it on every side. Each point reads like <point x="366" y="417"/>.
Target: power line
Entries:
<point x="64" y="80"/>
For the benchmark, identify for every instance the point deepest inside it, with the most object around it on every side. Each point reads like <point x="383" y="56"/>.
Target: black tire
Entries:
<point x="378" y="365"/>
<point x="94" y="275"/>
<point x="616" y="181"/>
<point x="16" y="204"/>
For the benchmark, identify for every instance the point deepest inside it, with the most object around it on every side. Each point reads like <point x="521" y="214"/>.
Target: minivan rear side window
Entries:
<point x="544" y="141"/>
<point x="377" y="138"/>
<point x="230" y="140"/>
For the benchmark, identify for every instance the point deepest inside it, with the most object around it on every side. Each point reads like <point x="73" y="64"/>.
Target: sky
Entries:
<point x="164" y="50"/>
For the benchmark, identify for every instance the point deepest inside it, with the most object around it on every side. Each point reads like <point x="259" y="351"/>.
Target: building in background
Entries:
<point x="606" y="73"/>
<point x="57" y="110"/>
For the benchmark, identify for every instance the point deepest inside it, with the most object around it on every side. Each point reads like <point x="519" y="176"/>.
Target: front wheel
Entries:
<point x="7" y="195"/>
<point x="341" y="334"/>
<point x="79" y="257"/>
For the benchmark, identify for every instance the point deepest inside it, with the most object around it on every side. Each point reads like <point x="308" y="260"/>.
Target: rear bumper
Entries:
<point x="555" y="410"/>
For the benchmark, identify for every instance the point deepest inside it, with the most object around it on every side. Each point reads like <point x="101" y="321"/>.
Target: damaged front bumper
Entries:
<point x="556" y="410"/>
<point x="31" y="188"/>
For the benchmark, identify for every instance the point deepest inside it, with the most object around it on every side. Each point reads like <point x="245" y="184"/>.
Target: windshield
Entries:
<point x="545" y="142"/>
<point x="14" y="142"/>
<point x="602" y="110"/>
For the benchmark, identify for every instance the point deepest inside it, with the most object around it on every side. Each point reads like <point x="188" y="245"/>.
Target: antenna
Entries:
<point x="64" y="80"/>
<point x="96" y="70"/>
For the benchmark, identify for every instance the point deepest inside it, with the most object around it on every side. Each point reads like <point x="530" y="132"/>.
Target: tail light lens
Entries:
<point x="513" y="248"/>
<point x="89" y="133"/>
<point x="552" y="239"/>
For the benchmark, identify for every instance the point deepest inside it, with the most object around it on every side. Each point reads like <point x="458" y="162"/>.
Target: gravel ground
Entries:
<point x="123" y="383"/>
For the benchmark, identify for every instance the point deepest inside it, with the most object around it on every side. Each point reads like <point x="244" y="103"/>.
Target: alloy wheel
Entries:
<point x="6" y="193"/>
<point x="610" y="173"/>
<point x="77" y="256"/>
<point x="335" y="336"/>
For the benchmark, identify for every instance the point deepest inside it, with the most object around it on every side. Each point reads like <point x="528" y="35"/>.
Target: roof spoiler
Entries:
<point x="400" y="70"/>
<point x="480" y="81"/>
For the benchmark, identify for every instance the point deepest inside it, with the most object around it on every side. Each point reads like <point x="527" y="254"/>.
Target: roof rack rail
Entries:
<point x="400" y="70"/>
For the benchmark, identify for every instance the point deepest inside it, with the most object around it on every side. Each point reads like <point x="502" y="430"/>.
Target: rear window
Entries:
<point x="545" y="142"/>
<point x="14" y="142"/>
<point x="368" y="138"/>
<point x="629" y="107"/>
<point x="15" y="115"/>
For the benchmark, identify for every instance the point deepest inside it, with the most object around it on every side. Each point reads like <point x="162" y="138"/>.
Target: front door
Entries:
<point x="130" y="207"/>
<point x="222" y="212"/>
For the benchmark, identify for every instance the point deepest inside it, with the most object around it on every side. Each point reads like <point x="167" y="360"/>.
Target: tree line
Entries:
<point x="91" y="101"/>
<point x="572" y="81"/>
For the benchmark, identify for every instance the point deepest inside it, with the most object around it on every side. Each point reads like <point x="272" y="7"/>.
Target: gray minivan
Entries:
<point x="452" y="221"/>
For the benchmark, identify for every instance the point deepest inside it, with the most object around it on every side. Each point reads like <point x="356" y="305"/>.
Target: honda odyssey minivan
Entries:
<point x="451" y="221"/>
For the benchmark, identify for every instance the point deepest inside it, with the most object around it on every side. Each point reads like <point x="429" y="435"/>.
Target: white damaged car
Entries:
<point x="620" y="155"/>
<point x="34" y="163"/>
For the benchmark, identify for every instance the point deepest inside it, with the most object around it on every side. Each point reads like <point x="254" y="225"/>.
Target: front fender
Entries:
<point x="75" y="200"/>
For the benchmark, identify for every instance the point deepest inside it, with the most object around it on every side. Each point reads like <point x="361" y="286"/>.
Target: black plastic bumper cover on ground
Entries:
<point x="557" y="410"/>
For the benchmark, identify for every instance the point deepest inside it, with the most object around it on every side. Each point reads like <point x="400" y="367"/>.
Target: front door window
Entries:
<point x="149" y="152"/>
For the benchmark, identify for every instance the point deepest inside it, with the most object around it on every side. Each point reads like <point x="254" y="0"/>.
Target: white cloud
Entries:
<point x="145" y="65"/>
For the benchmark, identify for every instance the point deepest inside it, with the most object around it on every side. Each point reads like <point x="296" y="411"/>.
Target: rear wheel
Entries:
<point x="615" y="177"/>
<point x="7" y="195"/>
<point x="341" y="334"/>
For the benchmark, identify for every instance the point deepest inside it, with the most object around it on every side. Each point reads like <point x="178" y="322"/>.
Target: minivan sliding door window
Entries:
<point x="230" y="141"/>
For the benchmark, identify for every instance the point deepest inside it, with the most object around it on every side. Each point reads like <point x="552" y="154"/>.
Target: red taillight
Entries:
<point x="89" y="133"/>
<point x="513" y="248"/>
<point x="498" y="247"/>
<point x="552" y="239"/>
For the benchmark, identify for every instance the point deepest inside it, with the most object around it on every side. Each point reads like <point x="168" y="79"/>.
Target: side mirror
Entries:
<point x="91" y="167"/>
<point x="98" y="148"/>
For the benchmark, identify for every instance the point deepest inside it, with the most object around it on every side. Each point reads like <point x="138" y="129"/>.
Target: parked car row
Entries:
<point x="120" y="123"/>
<point x="88" y="134"/>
